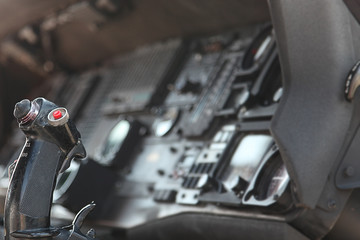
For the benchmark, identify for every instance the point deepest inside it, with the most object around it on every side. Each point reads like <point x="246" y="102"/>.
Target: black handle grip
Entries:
<point x="32" y="182"/>
<point x="39" y="179"/>
<point x="52" y="142"/>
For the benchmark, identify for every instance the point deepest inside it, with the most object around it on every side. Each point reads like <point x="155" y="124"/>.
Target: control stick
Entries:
<point x="52" y="141"/>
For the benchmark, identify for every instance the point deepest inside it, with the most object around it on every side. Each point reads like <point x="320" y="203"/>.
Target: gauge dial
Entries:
<point x="273" y="179"/>
<point x="277" y="182"/>
<point x="115" y="140"/>
<point x="120" y="143"/>
<point x="269" y="182"/>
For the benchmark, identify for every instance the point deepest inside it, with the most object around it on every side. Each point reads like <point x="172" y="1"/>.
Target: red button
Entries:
<point x="57" y="114"/>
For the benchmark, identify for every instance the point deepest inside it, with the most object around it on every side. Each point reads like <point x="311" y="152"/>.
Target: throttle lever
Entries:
<point x="52" y="141"/>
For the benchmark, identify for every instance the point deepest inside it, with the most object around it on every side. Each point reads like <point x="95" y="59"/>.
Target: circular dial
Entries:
<point x="273" y="180"/>
<point x="114" y="141"/>
<point x="278" y="181"/>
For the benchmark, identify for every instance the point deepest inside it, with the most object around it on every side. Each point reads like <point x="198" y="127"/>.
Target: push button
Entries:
<point x="57" y="114"/>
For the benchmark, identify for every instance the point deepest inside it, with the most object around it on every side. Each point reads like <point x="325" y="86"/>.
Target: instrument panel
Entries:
<point x="180" y="126"/>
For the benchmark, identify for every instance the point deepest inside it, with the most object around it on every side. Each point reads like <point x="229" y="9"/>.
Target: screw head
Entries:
<point x="331" y="204"/>
<point x="349" y="171"/>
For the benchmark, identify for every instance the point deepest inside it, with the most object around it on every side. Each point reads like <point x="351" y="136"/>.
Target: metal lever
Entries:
<point x="52" y="141"/>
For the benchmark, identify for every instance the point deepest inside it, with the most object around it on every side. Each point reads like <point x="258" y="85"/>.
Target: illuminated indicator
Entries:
<point x="57" y="114"/>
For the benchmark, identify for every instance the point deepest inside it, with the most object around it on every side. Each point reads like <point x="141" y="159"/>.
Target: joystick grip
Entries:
<point x="52" y="141"/>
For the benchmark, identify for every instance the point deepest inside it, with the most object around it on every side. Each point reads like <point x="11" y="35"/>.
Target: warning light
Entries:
<point x="57" y="114"/>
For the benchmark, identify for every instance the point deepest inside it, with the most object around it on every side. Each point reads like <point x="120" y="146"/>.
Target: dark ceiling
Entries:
<point x="15" y="14"/>
<point x="83" y="37"/>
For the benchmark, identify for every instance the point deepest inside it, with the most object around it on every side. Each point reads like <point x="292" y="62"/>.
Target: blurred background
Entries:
<point x="40" y="39"/>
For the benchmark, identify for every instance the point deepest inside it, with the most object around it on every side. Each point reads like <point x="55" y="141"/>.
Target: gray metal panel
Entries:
<point x="317" y="48"/>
